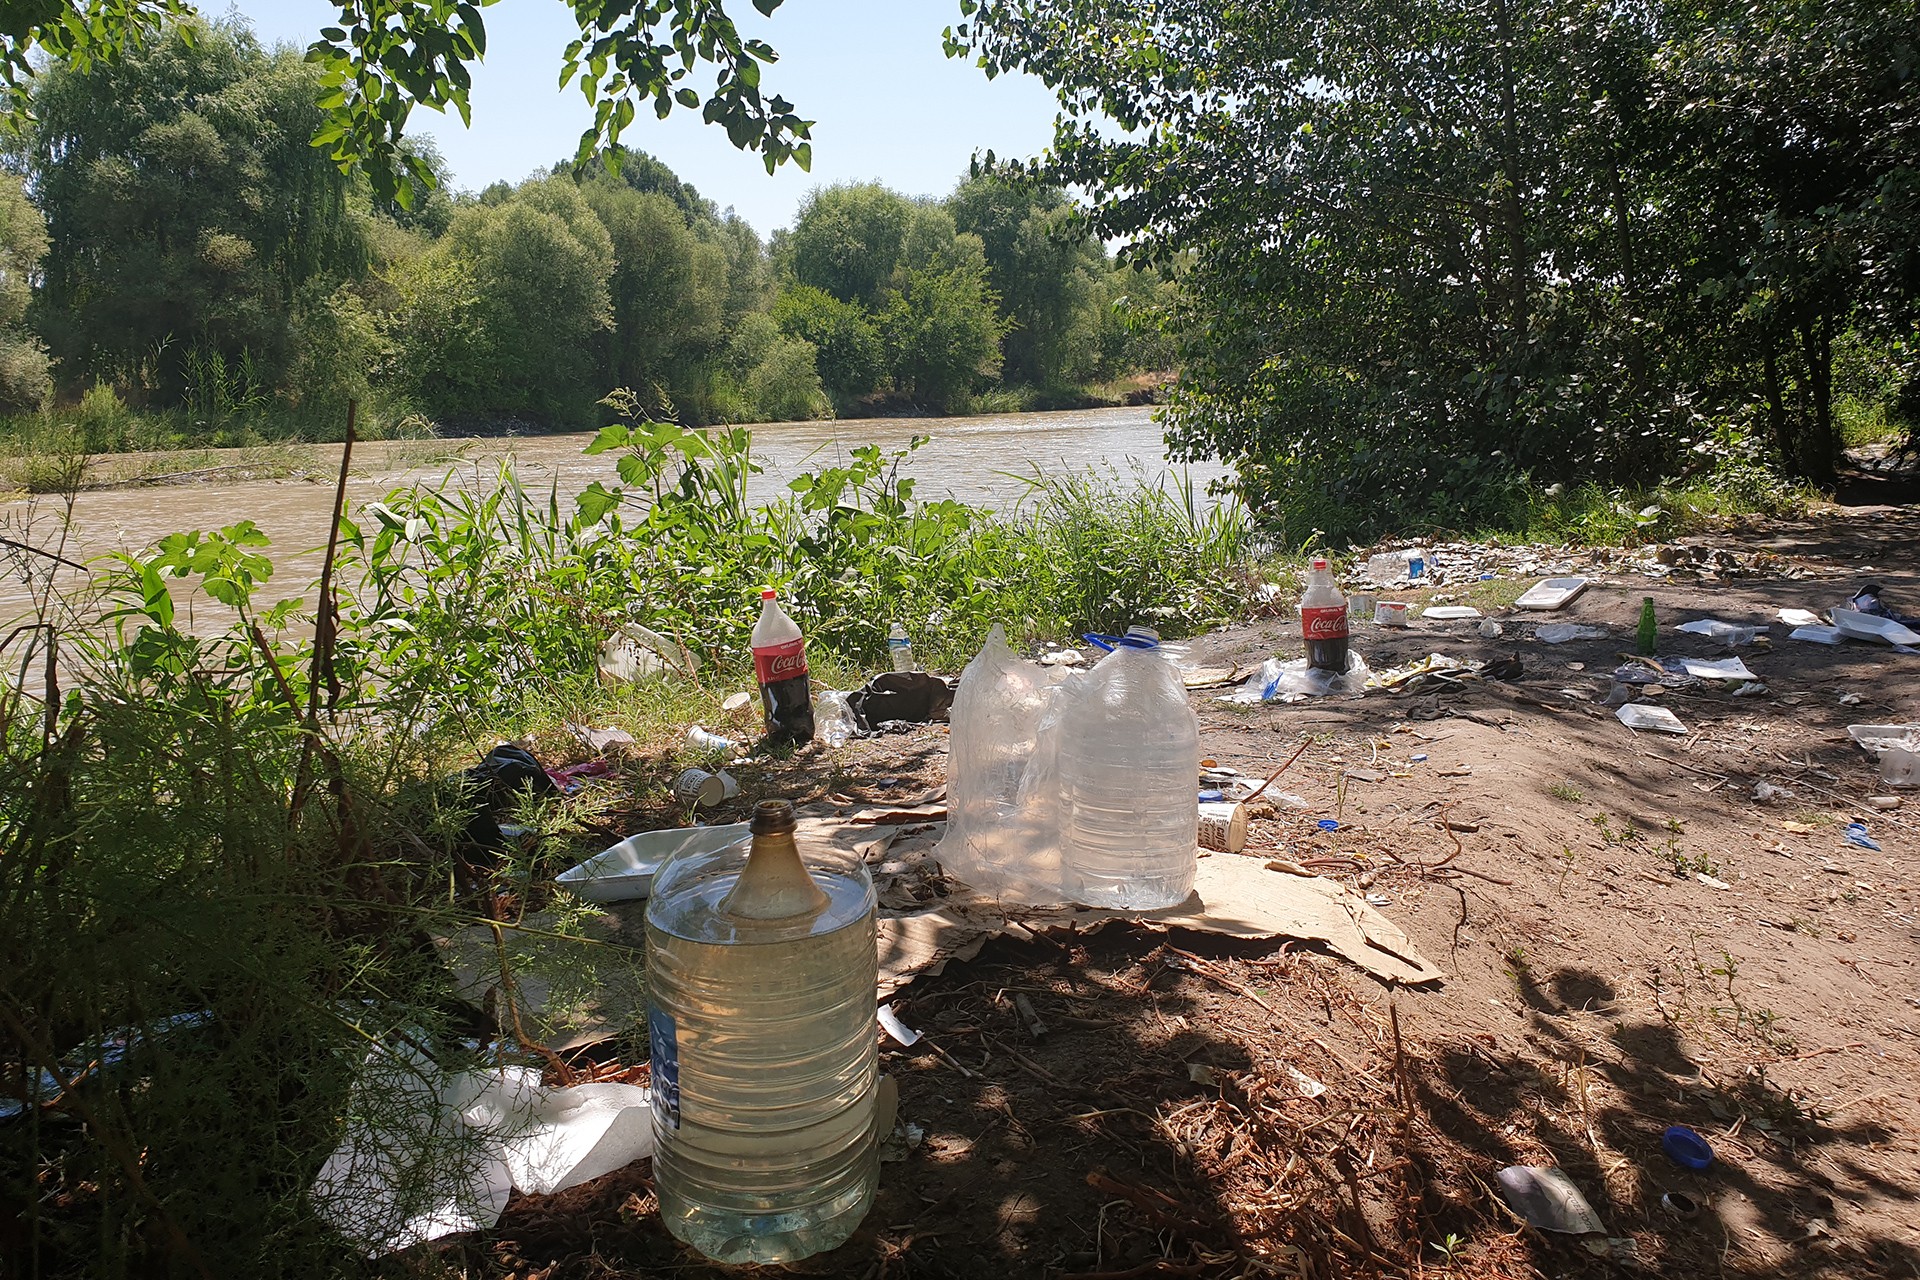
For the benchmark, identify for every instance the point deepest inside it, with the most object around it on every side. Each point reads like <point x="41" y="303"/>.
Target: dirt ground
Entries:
<point x="1631" y="940"/>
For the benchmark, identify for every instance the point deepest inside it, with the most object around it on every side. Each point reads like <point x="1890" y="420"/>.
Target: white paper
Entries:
<point x="903" y="1035"/>
<point x="1800" y="617"/>
<point x="1716" y="669"/>
<point x="1640" y="715"/>
<point x="428" y="1153"/>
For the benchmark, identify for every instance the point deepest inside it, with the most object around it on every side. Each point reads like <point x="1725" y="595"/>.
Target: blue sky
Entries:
<point x="886" y="102"/>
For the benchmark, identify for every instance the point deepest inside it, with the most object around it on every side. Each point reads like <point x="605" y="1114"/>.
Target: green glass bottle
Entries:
<point x="1649" y="639"/>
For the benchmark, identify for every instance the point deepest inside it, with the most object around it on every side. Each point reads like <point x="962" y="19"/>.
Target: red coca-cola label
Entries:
<point x="781" y="661"/>
<point x="1324" y="623"/>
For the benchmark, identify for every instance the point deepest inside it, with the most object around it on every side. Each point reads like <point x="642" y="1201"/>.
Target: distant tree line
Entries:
<point x="168" y="231"/>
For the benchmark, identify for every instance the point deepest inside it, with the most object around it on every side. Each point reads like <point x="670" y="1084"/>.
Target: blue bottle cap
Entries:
<point x="1328" y="824"/>
<point x="1686" y="1148"/>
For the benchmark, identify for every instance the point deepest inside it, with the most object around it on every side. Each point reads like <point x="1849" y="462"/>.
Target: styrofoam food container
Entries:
<point x="1868" y="626"/>
<point x="626" y="871"/>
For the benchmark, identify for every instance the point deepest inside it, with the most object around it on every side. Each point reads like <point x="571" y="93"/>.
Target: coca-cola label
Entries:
<point x="1324" y="623"/>
<point x="782" y="661"/>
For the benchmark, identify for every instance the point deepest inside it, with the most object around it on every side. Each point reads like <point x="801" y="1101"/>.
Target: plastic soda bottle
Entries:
<point x="780" y="663"/>
<point x="1323" y="619"/>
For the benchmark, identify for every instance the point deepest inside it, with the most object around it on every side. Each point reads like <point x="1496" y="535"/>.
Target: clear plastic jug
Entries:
<point x="1128" y="759"/>
<point x="761" y="974"/>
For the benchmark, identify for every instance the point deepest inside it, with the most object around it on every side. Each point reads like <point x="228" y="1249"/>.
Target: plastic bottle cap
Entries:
<point x="1319" y="564"/>
<point x="768" y="593"/>
<point x="1686" y="1148"/>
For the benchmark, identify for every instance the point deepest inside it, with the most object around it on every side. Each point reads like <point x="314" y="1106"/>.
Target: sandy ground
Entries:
<point x="1632" y="941"/>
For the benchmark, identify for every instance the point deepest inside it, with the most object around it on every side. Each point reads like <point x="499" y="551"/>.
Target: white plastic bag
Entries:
<point x="1002" y="829"/>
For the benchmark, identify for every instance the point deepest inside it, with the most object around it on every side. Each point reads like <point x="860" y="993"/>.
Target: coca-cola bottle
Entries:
<point x="780" y="662"/>
<point x="1323" y="619"/>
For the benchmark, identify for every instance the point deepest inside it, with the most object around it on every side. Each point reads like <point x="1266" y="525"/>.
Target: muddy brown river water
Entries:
<point x="978" y="460"/>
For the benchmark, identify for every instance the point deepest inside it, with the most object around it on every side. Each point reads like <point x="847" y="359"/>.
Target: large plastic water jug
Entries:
<point x="1129" y="759"/>
<point x="761" y="974"/>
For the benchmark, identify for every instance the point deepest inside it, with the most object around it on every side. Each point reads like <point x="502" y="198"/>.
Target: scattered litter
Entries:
<point x="1328" y="824"/>
<point x="1379" y="900"/>
<point x="1856" y="833"/>
<point x="1639" y="715"/>
<point x="1767" y="793"/>
<point x="1062" y="658"/>
<point x="1816" y="635"/>
<point x="100" y="1056"/>
<point x="1731" y="634"/>
<point x="1900" y="767"/>
<point x="600" y="739"/>
<point x="634" y="652"/>
<point x="1562" y="632"/>
<point x="1547" y="1199"/>
<point x="1800" y="617"/>
<point x="1879" y="737"/>
<point x="1435" y="668"/>
<point x="1390" y="613"/>
<point x="701" y="740"/>
<point x="1223" y="826"/>
<point x="704" y="790"/>
<point x="1686" y="1148"/>
<point x="1491" y="630"/>
<point x="1751" y="689"/>
<point x="1461" y="612"/>
<point x="428" y="1153"/>
<point x="1419" y="758"/>
<point x="736" y="702"/>
<point x="1550" y="593"/>
<point x="833" y="721"/>
<point x="1867" y="626"/>
<point x="1791" y="827"/>
<point x="1883" y="802"/>
<point x="1306" y="1084"/>
<point x="1295" y="681"/>
<point x="1710" y="881"/>
<point x="625" y="871"/>
<point x="903" y="1035"/>
<point x="1720" y="669"/>
<point x="1851" y="699"/>
<point x="1201" y="1073"/>
<point x="1679" y="1203"/>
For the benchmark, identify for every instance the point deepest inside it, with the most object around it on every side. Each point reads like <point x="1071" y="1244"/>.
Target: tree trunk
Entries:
<point x="1819" y="450"/>
<point x="1783" y="444"/>
<point x="1513" y="214"/>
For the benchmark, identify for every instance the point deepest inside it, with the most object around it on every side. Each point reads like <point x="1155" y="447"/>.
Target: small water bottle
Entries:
<point x="900" y="649"/>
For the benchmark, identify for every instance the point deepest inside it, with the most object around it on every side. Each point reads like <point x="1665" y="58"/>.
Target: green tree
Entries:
<point x="847" y="240"/>
<point x="668" y="290"/>
<point x="23" y="242"/>
<point x="941" y="328"/>
<point x="1050" y="275"/>
<point x="846" y="343"/>
<point x="185" y="209"/>
<point x="540" y="265"/>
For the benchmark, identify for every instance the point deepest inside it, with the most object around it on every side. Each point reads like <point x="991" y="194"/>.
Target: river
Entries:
<point x="976" y="459"/>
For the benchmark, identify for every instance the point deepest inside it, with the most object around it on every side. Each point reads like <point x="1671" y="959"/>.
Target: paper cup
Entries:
<point x="699" y="788"/>
<point x="1223" y="826"/>
<point x="1360" y="605"/>
<point x="1390" y="613"/>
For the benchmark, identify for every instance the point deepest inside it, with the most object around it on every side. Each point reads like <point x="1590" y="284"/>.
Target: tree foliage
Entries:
<point x="1431" y="248"/>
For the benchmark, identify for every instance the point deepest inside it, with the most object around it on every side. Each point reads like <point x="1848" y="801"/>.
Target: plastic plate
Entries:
<point x="626" y="871"/>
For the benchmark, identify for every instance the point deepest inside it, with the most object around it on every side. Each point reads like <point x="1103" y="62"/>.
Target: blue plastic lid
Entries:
<point x="1110" y="643"/>
<point x="1212" y="797"/>
<point x="1328" y="824"/>
<point x="1686" y="1148"/>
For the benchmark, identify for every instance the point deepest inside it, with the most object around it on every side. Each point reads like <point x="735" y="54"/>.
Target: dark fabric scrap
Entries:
<point x="913" y="696"/>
